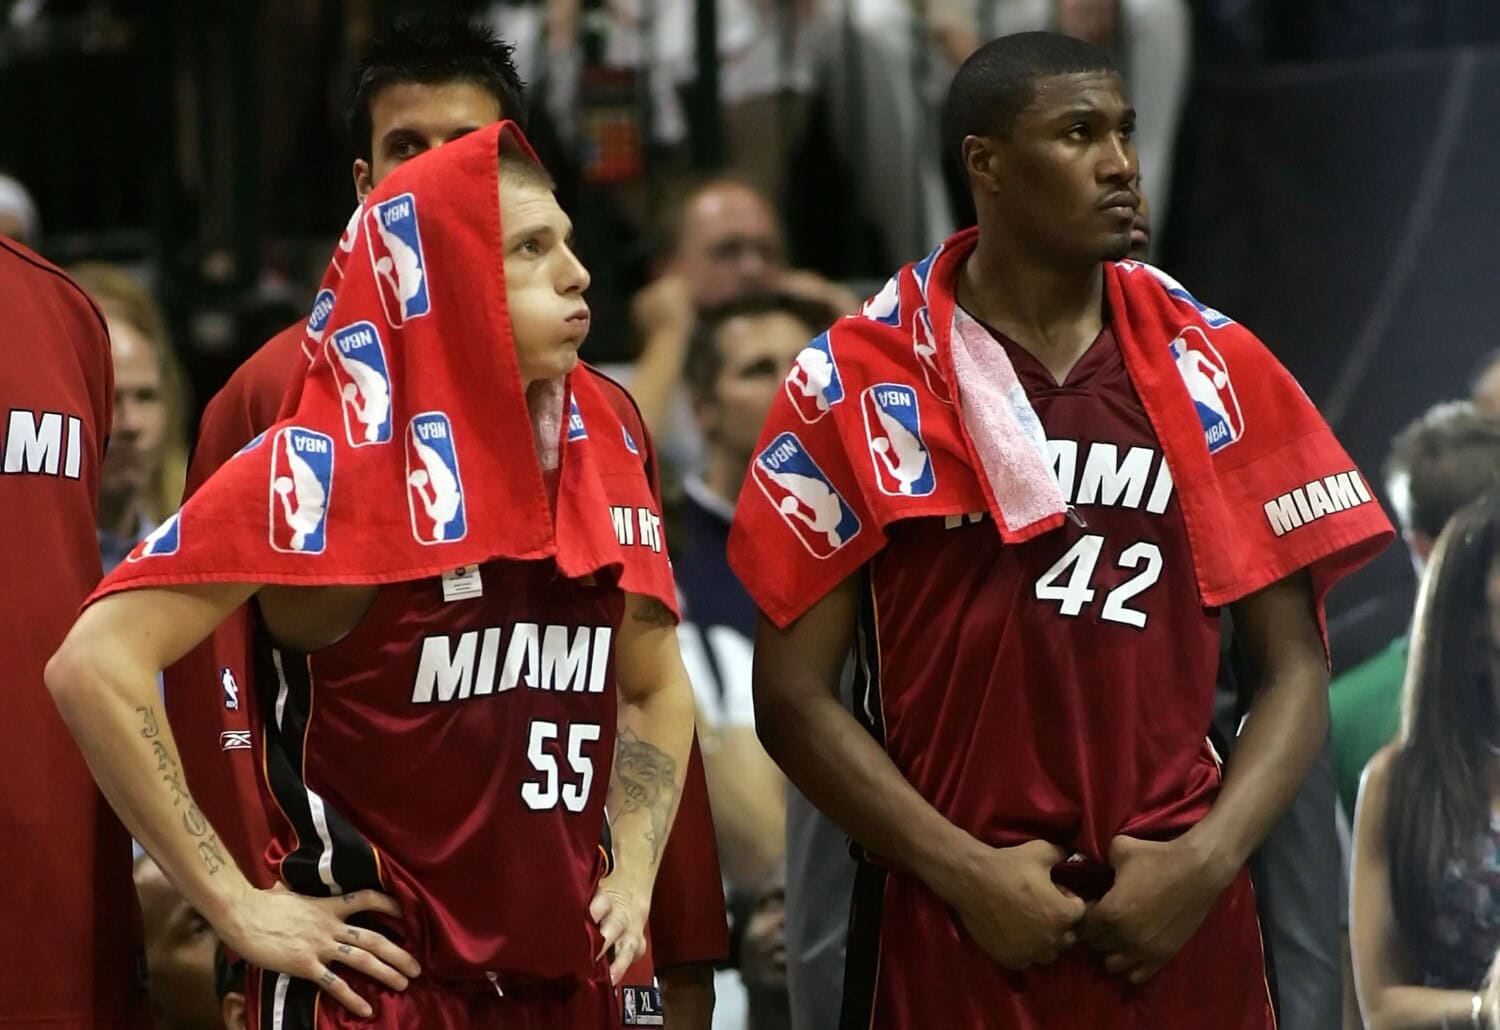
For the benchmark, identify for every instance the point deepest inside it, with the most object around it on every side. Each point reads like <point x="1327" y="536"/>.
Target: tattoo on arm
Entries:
<point x="171" y="774"/>
<point x="648" y="776"/>
<point x="653" y="613"/>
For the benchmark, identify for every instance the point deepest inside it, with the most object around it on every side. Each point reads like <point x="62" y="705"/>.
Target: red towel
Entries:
<point x="872" y="428"/>
<point x="407" y="448"/>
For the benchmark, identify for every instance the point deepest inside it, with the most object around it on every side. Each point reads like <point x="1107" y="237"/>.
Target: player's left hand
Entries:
<point x="620" y="914"/>
<point x="1161" y="894"/>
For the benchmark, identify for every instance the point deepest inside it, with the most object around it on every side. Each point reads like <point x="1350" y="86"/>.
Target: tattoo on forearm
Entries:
<point x="653" y="613"/>
<point x="171" y="774"/>
<point x="648" y="776"/>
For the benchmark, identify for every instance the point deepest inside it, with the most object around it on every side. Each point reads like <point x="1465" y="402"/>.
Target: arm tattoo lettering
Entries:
<point x="652" y="612"/>
<point x="171" y="775"/>
<point x="648" y="776"/>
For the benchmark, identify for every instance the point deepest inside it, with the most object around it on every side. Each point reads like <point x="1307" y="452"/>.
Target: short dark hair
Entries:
<point x="431" y="50"/>
<point x="704" y="362"/>
<point x="1442" y="461"/>
<point x="999" y="79"/>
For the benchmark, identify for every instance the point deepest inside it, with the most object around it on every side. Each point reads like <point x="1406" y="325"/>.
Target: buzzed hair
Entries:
<point x="1441" y="462"/>
<point x="998" y="81"/>
<point x="517" y="166"/>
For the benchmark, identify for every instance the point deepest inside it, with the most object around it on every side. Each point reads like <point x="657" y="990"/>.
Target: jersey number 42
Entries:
<point x="1068" y="581"/>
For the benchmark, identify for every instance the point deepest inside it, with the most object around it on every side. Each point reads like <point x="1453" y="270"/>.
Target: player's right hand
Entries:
<point x="290" y="933"/>
<point x="1014" y="911"/>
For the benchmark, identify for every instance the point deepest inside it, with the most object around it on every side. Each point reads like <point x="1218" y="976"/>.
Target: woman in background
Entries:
<point x="1425" y="920"/>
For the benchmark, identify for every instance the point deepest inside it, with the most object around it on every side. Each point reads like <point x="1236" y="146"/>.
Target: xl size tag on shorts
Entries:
<point x="462" y="583"/>
<point x="642" y="1006"/>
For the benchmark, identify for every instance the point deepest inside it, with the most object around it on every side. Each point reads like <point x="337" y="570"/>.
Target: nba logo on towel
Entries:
<point x="434" y="489"/>
<point x="161" y="540"/>
<point x="893" y="426"/>
<point x="322" y="308"/>
<point x="885" y="306"/>
<point x="814" y="384"/>
<point x="630" y="444"/>
<point x="346" y="241"/>
<point x="576" y="429"/>
<point x="396" y="254"/>
<point x="804" y="495"/>
<point x="1206" y="377"/>
<point x="364" y="383"/>
<point x="924" y="346"/>
<point x="301" y="483"/>
<point x="254" y="443"/>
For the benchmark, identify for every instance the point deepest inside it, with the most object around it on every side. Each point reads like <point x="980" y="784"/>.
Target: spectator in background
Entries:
<point x="725" y="241"/>
<point x="1439" y="463"/>
<point x="179" y="954"/>
<point x="1426" y="899"/>
<point x="1486" y="389"/>
<point x="739" y="356"/>
<point x="141" y="483"/>
<point x="18" y="217"/>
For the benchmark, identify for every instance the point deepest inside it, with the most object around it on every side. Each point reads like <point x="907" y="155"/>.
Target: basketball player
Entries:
<point x="433" y="788"/>
<point x="424" y="84"/>
<point x="1005" y="498"/>
<point x="70" y="952"/>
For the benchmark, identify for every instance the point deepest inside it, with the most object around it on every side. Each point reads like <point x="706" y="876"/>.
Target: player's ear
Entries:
<point x="363" y="183"/>
<point x="981" y="161"/>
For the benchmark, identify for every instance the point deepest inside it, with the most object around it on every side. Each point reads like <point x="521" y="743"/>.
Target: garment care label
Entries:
<point x="462" y="583"/>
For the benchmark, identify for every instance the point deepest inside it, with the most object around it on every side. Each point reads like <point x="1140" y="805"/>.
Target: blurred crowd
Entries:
<point x="696" y="186"/>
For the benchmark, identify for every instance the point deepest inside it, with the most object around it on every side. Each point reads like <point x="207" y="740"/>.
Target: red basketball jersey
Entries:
<point x="1061" y="688"/>
<point x="70" y="949"/>
<point x="455" y="753"/>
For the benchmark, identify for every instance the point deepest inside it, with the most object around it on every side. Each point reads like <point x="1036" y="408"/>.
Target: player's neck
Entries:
<point x="1053" y="311"/>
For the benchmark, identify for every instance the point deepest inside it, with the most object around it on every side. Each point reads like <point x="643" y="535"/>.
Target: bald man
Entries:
<point x="723" y="242"/>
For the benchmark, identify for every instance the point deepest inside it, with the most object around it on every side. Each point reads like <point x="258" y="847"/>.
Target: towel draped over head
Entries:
<point x="408" y="448"/>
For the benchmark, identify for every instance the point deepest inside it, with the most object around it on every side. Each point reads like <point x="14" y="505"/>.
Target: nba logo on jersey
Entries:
<point x="396" y="254"/>
<point x="893" y="426"/>
<point x="161" y="540"/>
<point x="322" y="308"/>
<point x="1206" y="377"/>
<point x="804" y="495"/>
<point x="230" y="687"/>
<point x="346" y="241"/>
<point x="434" y="490"/>
<point x="630" y="441"/>
<point x="576" y="429"/>
<point x="814" y="384"/>
<point x="301" y="482"/>
<point x="364" y="383"/>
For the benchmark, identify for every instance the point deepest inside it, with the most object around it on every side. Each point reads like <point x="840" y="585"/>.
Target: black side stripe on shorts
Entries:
<point x="287" y="1003"/>
<point x="331" y="857"/>
<point x="862" y="951"/>
<point x="868" y="706"/>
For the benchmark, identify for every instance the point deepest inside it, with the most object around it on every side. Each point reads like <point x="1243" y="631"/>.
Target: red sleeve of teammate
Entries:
<point x="72" y="936"/>
<point x="688" y="923"/>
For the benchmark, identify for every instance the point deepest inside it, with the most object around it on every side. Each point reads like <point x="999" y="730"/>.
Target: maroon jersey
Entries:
<point x="1076" y="669"/>
<point x="70" y="950"/>
<point x="1059" y="689"/>
<point x="456" y="755"/>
